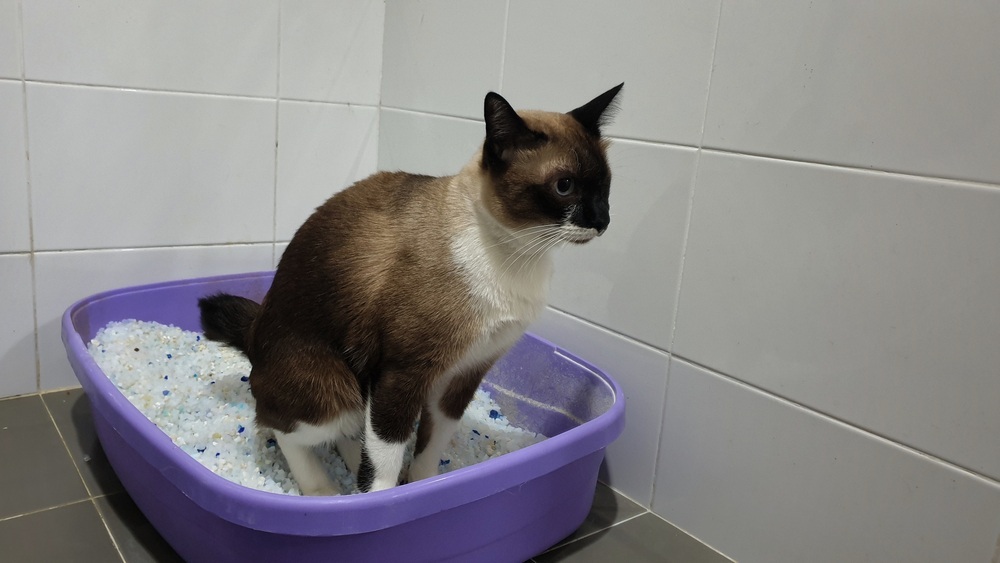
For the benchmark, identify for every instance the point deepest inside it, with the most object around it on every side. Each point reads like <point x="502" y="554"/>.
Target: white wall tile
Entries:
<point x="442" y="56"/>
<point x="17" y="336"/>
<point x="332" y="51"/>
<point x="427" y="144"/>
<point x="227" y="46"/>
<point x="870" y="296"/>
<point x="886" y="85"/>
<point x="14" y="230"/>
<point x="322" y="149"/>
<point x="279" y="250"/>
<point x="761" y="479"/>
<point x="626" y="280"/>
<point x="62" y="278"/>
<point x="642" y="374"/>
<point x="115" y="168"/>
<point x="563" y="53"/>
<point x="10" y="39"/>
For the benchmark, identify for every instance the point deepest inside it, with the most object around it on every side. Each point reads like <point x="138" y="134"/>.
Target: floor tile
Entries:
<point x="71" y="411"/>
<point x="68" y="533"/>
<point x="35" y="470"/>
<point x="136" y="537"/>
<point x="644" y="538"/>
<point x="609" y="508"/>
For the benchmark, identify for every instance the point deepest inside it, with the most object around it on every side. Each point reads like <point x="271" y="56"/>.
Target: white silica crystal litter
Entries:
<point x="198" y="393"/>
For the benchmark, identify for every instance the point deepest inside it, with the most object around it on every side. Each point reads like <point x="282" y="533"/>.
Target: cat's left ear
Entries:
<point x="598" y="112"/>
<point x="505" y="132"/>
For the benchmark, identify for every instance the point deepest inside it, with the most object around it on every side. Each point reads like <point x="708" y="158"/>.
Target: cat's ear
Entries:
<point x="598" y="112"/>
<point x="505" y="131"/>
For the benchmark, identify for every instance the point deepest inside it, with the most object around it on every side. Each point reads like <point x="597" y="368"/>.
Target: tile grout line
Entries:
<point x="158" y="247"/>
<point x="62" y="439"/>
<point x="672" y="355"/>
<point x="680" y="270"/>
<point x="829" y="418"/>
<point x="503" y="43"/>
<point x="27" y="187"/>
<point x="721" y="150"/>
<point x="630" y="339"/>
<point x="735" y="152"/>
<point x="107" y="527"/>
<point x="46" y="509"/>
<point x="854" y="167"/>
<point x="604" y="529"/>
<point x="79" y="472"/>
<point x="693" y="537"/>
<point x="277" y="130"/>
<point x="151" y="90"/>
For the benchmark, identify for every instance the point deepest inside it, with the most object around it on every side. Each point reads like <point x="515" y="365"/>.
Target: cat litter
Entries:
<point x="198" y="393"/>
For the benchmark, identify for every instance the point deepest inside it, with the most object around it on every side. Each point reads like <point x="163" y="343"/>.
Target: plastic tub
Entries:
<point x="505" y="509"/>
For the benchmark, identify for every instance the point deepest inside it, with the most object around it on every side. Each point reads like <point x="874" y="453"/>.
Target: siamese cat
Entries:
<point x="396" y="296"/>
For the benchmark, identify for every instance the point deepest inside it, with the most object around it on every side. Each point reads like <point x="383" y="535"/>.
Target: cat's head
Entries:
<point x="549" y="168"/>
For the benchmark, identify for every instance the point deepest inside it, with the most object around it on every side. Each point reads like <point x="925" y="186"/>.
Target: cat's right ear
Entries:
<point x="506" y="132"/>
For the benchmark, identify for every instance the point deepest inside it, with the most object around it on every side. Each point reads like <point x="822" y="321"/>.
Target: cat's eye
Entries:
<point x="565" y="186"/>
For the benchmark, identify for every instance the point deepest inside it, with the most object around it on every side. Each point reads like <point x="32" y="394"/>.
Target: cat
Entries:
<point x="397" y="295"/>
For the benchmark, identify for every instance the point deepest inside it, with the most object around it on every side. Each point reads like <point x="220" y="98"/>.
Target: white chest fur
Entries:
<point x="508" y="283"/>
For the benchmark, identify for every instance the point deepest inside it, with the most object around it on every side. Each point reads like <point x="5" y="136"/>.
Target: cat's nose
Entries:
<point x="600" y="219"/>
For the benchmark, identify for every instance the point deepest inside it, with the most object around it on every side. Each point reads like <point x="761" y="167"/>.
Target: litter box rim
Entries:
<point x="324" y="516"/>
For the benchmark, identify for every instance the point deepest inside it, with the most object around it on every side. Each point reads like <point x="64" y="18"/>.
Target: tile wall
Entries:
<point x="798" y="291"/>
<point x="166" y="140"/>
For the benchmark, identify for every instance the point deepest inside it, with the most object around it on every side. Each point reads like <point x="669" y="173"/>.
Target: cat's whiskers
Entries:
<point x="525" y="246"/>
<point x="536" y="257"/>
<point x="522" y="250"/>
<point x="527" y="250"/>
<point x="521" y="233"/>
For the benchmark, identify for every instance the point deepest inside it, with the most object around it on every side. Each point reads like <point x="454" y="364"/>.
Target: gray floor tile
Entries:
<point x="136" y="537"/>
<point x="35" y="470"/>
<point x="609" y="508"/>
<point x="67" y="533"/>
<point x="71" y="411"/>
<point x="646" y="538"/>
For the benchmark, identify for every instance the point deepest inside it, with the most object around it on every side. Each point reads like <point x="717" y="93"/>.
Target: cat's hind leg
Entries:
<point x="390" y="414"/>
<point x="349" y="443"/>
<point x="439" y="421"/>
<point x="307" y="469"/>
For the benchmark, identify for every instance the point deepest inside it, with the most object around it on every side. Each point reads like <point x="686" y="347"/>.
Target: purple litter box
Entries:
<point x="504" y="509"/>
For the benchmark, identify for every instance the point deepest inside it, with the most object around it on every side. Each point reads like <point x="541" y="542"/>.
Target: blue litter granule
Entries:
<point x="271" y="442"/>
<point x="166" y="377"/>
<point x="216" y="454"/>
<point x="444" y="462"/>
<point x="244" y="378"/>
<point x="494" y="414"/>
<point x="476" y="432"/>
<point x="170" y="356"/>
<point x="201" y="450"/>
<point x="197" y="338"/>
<point x="240" y="428"/>
<point x="165" y="392"/>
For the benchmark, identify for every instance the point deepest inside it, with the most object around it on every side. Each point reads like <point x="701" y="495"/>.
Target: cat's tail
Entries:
<point x="228" y="318"/>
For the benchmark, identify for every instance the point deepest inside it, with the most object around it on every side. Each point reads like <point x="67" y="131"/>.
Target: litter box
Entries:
<point x="508" y="508"/>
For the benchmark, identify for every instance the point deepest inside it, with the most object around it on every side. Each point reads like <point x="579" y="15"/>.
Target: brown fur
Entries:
<point x="368" y="303"/>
